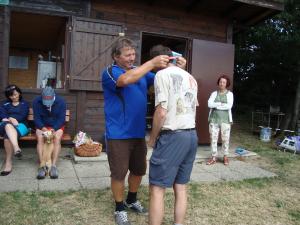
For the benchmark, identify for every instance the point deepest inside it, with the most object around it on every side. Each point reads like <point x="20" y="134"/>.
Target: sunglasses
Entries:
<point x="10" y="88"/>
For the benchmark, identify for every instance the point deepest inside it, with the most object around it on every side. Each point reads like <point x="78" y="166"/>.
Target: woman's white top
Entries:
<point x="221" y="106"/>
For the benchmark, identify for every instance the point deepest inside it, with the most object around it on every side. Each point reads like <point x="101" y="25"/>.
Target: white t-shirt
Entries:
<point x="176" y="91"/>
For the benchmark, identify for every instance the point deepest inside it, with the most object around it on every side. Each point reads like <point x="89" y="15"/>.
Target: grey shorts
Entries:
<point x="172" y="158"/>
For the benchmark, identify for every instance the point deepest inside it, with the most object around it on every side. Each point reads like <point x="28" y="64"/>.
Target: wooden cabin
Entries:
<point x="67" y="43"/>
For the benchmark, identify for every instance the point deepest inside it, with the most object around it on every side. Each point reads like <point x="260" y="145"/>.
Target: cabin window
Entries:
<point x="18" y="62"/>
<point x="36" y="50"/>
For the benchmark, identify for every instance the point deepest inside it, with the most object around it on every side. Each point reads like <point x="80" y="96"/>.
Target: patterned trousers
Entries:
<point x="214" y="129"/>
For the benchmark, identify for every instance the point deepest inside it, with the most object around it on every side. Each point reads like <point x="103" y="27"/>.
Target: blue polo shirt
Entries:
<point x="125" y="108"/>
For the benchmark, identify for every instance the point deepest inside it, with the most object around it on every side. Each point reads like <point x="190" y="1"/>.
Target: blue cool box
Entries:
<point x="23" y="130"/>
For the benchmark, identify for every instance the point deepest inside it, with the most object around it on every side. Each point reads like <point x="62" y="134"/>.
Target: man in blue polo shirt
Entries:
<point x="125" y="96"/>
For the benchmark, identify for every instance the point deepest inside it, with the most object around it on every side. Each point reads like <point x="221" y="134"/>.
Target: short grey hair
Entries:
<point x="120" y="44"/>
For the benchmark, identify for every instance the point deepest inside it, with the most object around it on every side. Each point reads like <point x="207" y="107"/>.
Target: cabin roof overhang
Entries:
<point x="247" y="13"/>
<point x="243" y="13"/>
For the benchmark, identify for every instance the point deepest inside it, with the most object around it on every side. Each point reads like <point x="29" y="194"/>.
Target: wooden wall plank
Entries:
<point x="80" y="108"/>
<point x="162" y="20"/>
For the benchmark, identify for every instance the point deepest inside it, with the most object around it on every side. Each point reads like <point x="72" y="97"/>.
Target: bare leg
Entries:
<point x="8" y="155"/>
<point x="180" y="202"/>
<point x="156" y="208"/>
<point x="57" y="146"/>
<point x="40" y="144"/>
<point x="12" y="136"/>
<point x="117" y="188"/>
<point x="134" y="182"/>
<point x="47" y="154"/>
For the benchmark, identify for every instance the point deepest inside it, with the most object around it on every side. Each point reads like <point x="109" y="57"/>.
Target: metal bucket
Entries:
<point x="265" y="134"/>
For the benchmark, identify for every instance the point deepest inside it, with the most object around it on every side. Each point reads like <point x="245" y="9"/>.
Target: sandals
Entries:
<point x="225" y="160"/>
<point x="211" y="161"/>
<point x="18" y="154"/>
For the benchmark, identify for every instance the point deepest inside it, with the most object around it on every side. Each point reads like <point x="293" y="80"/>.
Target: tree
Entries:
<point x="267" y="69"/>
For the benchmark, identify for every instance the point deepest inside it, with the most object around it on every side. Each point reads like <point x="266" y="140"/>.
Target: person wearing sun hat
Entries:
<point x="49" y="114"/>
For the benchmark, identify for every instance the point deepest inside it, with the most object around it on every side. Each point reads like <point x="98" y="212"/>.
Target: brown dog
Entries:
<point x="46" y="160"/>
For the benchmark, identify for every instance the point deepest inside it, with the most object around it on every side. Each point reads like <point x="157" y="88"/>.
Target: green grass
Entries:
<point x="252" y="183"/>
<point x="252" y="201"/>
<point x="279" y="203"/>
<point x="295" y="214"/>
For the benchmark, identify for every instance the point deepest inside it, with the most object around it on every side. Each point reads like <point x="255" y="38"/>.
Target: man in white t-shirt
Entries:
<point x="173" y="137"/>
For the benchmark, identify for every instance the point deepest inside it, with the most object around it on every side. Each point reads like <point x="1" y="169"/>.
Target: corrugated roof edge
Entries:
<point x="273" y="4"/>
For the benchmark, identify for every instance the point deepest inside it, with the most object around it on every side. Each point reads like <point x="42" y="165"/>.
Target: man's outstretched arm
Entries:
<point x="133" y="75"/>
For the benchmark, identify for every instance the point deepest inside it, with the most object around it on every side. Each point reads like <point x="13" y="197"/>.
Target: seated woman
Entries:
<point x="13" y="117"/>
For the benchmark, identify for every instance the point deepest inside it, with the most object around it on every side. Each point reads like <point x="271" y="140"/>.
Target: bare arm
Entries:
<point x="181" y="62"/>
<point x="133" y="75"/>
<point x="158" y="121"/>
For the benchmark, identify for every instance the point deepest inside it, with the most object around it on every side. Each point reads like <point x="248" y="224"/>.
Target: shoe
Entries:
<point x="5" y="173"/>
<point x="18" y="154"/>
<point x="121" y="218"/>
<point x="53" y="172"/>
<point x="136" y="207"/>
<point x="211" y="161"/>
<point x="225" y="160"/>
<point x="41" y="173"/>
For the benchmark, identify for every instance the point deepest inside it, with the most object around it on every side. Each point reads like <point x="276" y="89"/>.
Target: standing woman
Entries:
<point x="220" y="118"/>
<point x="13" y="116"/>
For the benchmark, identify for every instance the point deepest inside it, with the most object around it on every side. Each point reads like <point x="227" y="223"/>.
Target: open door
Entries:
<point x="36" y="44"/>
<point x="91" y="42"/>
<point x="209" y="60"/>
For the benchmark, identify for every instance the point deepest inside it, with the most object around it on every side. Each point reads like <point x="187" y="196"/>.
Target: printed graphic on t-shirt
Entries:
<point x="180" y="109"/>
<point x="185" y="94"/>
<point x="190" y="102"/>
<point x="176" y="91"/>
<point x="177" y="82"/>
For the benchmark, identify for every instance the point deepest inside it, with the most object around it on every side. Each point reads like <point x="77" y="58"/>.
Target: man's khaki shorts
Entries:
<point x="127" y="154"/>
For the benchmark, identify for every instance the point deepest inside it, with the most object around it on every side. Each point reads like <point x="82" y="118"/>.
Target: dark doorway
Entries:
<point x="36" y="51"/>
<point x="176" y="44"/>
<point x="149" y="40"/>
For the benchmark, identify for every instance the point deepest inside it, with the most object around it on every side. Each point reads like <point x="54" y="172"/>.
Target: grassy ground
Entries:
<point x="255" y="201"/>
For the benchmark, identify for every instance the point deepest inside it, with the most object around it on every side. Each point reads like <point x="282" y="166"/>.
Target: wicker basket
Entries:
<point x="88" y="150"/>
